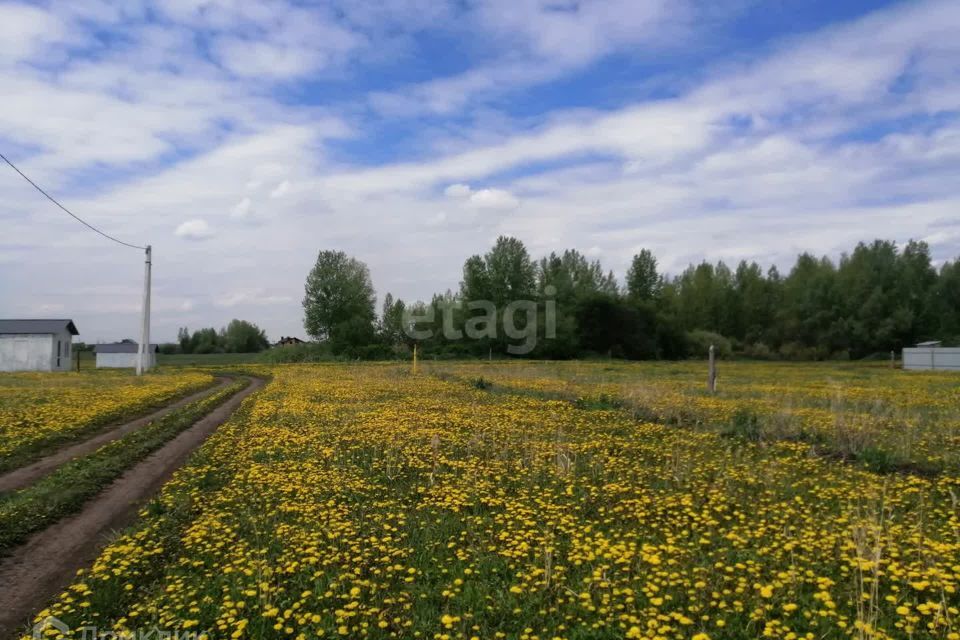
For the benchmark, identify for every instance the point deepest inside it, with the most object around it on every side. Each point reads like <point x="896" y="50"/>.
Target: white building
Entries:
<point x="931" y="356"/>
<point x="123" y="355"/>
<point x="36" y="345"/>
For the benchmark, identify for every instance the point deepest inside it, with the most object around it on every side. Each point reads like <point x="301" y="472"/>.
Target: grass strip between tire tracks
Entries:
<point x="65" y="490"/>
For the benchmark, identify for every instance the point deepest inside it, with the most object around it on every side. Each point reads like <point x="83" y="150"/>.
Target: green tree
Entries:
<point x="506" y="273"/>
<point x="643" y="282"/>
<point x="503" y="275"/>
<point x="241" y="336"/>
<point x="183" y="337"/>
<point x="205" y="341"/>
<point x="944" y="303"/>
<point x="609" y="325"/>
<point x="339" y="301"/>
<point x="391" y="321"/>
<point x="573" y="279"/>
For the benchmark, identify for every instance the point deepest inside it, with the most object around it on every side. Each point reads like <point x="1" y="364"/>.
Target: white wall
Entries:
<point x="122" y="360"/>
<point x="926" y="358"/>
<point x="27" y="352"/>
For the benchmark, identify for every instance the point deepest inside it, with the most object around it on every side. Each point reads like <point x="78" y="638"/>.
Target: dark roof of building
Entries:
<point x="121" y="347"/>
<point x="38" y="326"/>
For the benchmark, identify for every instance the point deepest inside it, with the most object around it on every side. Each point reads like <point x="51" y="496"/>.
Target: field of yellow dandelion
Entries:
<point x="41" y="410"/>
<point x="544" y="501"/>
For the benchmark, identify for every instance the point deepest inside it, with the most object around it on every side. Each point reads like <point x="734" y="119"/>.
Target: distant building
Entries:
<point x="123" y="355"/>
<point x="36" y="345"/>
<point x="286" y="341"/>
<point x="931" y="356"/>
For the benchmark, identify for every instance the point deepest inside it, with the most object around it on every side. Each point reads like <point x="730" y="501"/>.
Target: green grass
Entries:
<point x="66" y="489"/>
<point x="192" y="359"/>
<point x="88" y="359"/>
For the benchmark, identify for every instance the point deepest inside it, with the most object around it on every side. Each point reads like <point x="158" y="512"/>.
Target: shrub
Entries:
<point x="699" y="342"/>
<point x="307" y="352"/>
<point x="758" y="351"/>
<point x="744" y="424"/>
<point x="878" y="460"/>
<point x="481" y="383"/>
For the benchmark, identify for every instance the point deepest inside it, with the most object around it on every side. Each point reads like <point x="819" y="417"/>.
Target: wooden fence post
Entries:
<point x="712" y="372"/>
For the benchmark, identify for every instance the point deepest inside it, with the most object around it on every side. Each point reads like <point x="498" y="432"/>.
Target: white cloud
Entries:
<point x="242" y="209"/>
<point x="281" y="189"/>
<point x="458" y="190"/>
<point x="268" y="39"/>
<point x="257" y="59"/>
<point x="437" y="219"/>
<point x="544" y="40"/>
<point x="489" y="199"/>
<point x="25" y="30"/>
<point x="494" y="199"/>
<point x="254" y="297"/>
<point x="196" y="229"/>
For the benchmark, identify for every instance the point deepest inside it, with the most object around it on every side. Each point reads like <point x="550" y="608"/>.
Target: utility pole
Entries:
<point x="144" y="348"/>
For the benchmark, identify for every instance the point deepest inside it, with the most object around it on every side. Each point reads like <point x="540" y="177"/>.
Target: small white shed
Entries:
<point x="36" y="345"/>
<point x="123" y="355"/>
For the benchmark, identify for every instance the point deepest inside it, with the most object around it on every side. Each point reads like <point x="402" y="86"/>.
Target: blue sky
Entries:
<point x="241" y="137"/>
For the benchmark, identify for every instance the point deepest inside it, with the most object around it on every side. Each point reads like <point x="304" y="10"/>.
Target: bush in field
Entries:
<point x="699" y="341"/>
<point x="307" y="352"/>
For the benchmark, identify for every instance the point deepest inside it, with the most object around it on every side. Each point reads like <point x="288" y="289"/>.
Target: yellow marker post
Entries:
<point x="414" y="358"/>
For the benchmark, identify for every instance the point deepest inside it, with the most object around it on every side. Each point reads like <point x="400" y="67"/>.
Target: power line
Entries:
<point x="74" y="216"/>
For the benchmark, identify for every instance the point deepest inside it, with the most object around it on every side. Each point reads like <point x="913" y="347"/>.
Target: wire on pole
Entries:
<point x="74" y="216"/>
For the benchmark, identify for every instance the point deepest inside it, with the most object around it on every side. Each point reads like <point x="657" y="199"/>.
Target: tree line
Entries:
<point x="877" y="298"/>
<point x="239" y="336"/>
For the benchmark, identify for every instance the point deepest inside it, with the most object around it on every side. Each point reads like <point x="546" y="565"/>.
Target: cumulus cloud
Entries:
<point x="490" y="199"/>
<point x="196" y="229"/>
<point x="497" y="199"/>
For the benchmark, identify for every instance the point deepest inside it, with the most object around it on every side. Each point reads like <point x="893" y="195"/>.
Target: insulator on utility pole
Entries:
<point x="144" y="348"/>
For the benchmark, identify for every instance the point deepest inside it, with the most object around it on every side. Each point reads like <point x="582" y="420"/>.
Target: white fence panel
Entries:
<point x="926" y="358"/>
